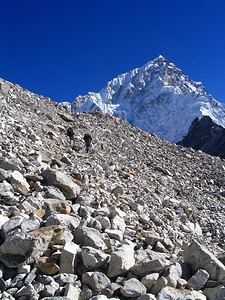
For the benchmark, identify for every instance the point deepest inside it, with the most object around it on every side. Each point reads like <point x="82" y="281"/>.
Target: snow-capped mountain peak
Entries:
<point x="156" y="97"/>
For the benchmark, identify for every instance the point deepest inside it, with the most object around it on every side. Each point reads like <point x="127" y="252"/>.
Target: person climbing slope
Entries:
<point x="87" y="139"/>
<point x="71" y="135"/>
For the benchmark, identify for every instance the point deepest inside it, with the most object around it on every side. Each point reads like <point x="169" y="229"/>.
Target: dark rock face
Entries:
<point x="206" y="136"/>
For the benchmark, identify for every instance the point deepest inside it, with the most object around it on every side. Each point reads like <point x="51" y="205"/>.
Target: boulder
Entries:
<point x="149" y="280"/>
<point x="86" y="236"/>
<point x="29" y="247"/>
<point x="133" y="288"/>
<point x="18" y="182"/>
<point x="173" y="274"/>
<point x="70" y="189"/>
<point x="93" y="258"/>
<point x="27" y="291"/>
<point x="55" y="193"/>
<point x="98" y="281"/>
<point x="118" y="190"/>
<point x="215" y="293"/>
<point x="4" y="174"/>
<point x="47" y="265"/>
<point x="3" y="220"/>
<point x="11" y="163"/>
<point x="11" y="226"/>
<point x="159" y="285"/>
<point x="68" y="258"/>
<point x="57" y="205"/>
<point x="122" y="260"/>
<point x="118" y="223"/>
<point x="198" y="280"/>
<point x="149" y="262"/>
<point x="65" y="278"/>
<point x="72" y="292"/>
<point x="200" y="258"/>
<point x="6" y="189"/>
<point x="174" y="294"/>
<point x="115" y="234"/>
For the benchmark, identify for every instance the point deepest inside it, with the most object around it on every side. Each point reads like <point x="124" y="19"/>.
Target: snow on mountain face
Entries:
<point x="157" y="98"/>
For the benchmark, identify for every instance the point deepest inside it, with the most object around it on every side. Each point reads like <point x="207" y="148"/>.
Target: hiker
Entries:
<point x="70" y="134"/>
<point x="87" y="138"/>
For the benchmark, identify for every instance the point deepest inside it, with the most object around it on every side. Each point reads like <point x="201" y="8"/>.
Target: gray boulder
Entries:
<point x="19" y="183"/>
<point x="29" y="247"/>
<point x="133" y="288"/>
<point x="122" y="260"/>
<point x="198" y="280"/>
<point x="11" y="163"/>
<point x="11" y="226"/>
<point x="70" y="189"/>
<point x="98" y="281"/>
<point x="86" y="236"/>
<point x="149" y="262"/>
<point x="200" y="258"/>
<point x="149" y="280"/>
<point x="93" y="258"/>
<point x="68" y="258"/>
<point x="216" y="293"/>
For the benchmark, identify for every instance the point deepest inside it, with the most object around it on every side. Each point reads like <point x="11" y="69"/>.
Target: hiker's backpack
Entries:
<point x="70" y="131"/>
<point x="87" y="137"/>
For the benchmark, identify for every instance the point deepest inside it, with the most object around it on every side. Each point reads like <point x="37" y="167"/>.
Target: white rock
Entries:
<point x="72" y="292"/>
<point x="19" y="183"/>
<point x="68" y="258"/>
<point x="149" y="263"/>
<point x="86" y="236"/>
<point x="93" y="258"/>
<point x="3" y="220"/>
<point x="200" y="258"/>
<point x="174" y="274"/>
<point x="122" y="260"/>
<point x="70" y="189"/>
<point x="115" y="234"/>
<point x="118" y="223"/>
<point x="6" y="189"/>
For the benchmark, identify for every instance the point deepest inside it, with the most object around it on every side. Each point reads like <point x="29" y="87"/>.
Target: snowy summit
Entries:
<point x="156" y="97"/>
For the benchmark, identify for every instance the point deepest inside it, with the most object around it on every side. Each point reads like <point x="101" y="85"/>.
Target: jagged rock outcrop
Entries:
<point x="206" y="136"/>
<point x="119" y="222"/>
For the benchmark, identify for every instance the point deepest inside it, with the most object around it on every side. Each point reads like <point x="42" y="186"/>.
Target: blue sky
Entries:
<point x="65" y="48"/>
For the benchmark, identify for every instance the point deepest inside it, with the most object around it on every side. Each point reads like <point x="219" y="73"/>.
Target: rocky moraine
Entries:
<point x="136" y="218"/>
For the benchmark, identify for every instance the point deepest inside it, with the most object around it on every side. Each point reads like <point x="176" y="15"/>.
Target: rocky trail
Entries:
<point x="135" y="218"/>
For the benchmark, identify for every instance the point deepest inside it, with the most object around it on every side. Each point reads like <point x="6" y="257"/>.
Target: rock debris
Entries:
<point x="135" y="218"/>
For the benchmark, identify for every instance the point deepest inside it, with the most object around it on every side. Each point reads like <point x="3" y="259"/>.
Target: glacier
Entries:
<point x="156" y="97"/>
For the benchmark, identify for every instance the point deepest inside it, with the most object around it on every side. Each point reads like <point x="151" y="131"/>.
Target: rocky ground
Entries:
<point x="136" y="218"/>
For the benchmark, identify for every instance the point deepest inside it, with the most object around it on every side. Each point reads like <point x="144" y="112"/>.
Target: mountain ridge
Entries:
<point x="156" y="97"/>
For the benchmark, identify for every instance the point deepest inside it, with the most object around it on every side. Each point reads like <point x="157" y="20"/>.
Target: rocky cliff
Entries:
<point x="137" y="217"/>
<point x="206" y="136"/>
